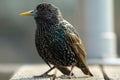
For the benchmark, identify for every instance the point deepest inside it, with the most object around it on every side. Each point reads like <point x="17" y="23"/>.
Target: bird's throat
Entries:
<point x="46" y="27"/>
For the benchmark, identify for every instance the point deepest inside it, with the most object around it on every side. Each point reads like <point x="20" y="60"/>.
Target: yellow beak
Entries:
<point x="27" y="13"/>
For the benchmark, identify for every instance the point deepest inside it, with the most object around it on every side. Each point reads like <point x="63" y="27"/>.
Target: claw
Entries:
<point x="67" y="77"/>
<point x="43" y="76"/>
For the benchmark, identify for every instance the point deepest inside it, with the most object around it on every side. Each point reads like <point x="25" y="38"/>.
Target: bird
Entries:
<point x="57" y="41"/>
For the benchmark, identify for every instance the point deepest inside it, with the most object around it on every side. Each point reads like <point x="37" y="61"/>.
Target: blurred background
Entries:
<point x="17" y="33"/>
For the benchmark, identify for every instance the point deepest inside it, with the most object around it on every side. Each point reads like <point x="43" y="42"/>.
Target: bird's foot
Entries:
<point x="43" y="76"/>
<point x="67" y="77"/>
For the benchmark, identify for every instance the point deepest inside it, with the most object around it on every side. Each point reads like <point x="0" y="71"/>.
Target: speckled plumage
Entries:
<point x="57" y="41"/>
<point x="53" y="47"/>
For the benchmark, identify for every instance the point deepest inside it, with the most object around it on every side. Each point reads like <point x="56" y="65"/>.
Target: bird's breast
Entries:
<point x="54" y="48"/>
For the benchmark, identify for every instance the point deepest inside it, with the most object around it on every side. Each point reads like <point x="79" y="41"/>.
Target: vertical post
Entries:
<point x="100" y="39"/>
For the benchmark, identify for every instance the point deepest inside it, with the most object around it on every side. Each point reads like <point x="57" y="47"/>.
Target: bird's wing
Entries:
<point x="77" y="46"/>
<point x="74" y="40"/>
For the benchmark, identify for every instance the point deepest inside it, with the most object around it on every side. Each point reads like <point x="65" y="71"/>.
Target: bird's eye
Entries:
<point x="37" y="8"/>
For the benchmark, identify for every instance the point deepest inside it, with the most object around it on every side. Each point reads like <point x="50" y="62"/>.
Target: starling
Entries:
<point x="57" y="41"/>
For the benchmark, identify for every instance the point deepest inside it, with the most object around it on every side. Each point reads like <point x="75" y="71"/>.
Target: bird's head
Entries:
<point x="44" y="11"/>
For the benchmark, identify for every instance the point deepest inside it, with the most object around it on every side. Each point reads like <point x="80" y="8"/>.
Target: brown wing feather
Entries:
<point x="79" y="50"/>
<point x="76" y="44"/>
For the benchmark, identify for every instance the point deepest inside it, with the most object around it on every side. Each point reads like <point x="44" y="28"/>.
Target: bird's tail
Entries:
<point x="84" y="68"/>
<point x="64" y="70"/>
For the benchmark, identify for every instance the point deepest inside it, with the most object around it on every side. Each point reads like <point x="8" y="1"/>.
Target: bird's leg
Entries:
<point x="45" y="74"/>
<point x="71" y="74"/>
<point x="54" y="75"/>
